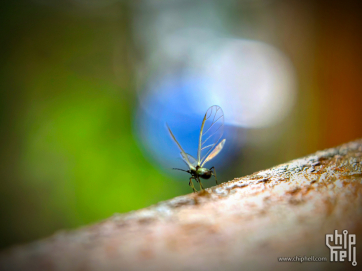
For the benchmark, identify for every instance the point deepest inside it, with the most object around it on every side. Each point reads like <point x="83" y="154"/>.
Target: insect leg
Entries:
<point x="201" y="187"/>
<point x="213" y="168"/>
<point x="192" y="185"/>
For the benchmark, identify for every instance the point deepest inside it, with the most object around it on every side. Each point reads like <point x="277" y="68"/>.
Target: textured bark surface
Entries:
<point x="244" y="224"/>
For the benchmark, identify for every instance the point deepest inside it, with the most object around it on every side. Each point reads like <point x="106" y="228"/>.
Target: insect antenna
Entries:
<point x="182" y="170"/>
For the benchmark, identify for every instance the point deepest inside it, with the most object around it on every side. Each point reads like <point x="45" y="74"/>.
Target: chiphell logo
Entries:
<point x="342" y="247"/>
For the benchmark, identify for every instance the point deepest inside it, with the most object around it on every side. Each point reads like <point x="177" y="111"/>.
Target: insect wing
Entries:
<point x="212" y="128"/>
<point x="184" y="155"/>
<point x="215" y="152"/>
<point x="189" y="159"/>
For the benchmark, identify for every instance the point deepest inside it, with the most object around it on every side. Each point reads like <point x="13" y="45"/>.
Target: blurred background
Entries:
<point x="86" y="88"/>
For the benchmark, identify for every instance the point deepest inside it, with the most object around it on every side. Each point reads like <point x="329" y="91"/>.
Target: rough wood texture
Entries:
<point x="244" y="224"/>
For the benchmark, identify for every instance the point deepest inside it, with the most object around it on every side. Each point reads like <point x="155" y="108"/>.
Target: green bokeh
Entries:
<point x="69" y="156"/>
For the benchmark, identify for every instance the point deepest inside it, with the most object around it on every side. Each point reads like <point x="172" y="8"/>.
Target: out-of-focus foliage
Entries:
<point x="68" y="154"/>
<point x="74" y="145"/>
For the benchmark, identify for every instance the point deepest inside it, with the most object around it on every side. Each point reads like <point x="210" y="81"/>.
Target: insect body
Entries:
<point x="212" y="128"/>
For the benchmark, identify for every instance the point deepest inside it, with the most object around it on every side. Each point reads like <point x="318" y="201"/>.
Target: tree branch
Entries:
<point x="244" y="224"/>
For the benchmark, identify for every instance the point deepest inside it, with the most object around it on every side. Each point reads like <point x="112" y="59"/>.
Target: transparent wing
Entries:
<point x="212" y="128"/>
<point x="215" y="152"/>
<point x="184" y="155"/>
<point x="190" y="160"/>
